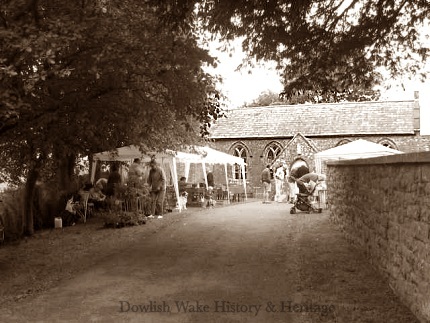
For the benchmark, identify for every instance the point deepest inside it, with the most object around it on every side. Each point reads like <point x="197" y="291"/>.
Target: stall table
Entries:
<point x="237" y="193"/>
<point x="170" y="198"/>
<point x="195" y="195"/>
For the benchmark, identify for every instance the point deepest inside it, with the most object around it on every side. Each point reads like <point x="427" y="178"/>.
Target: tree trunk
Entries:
<point x="66" y="170"/>
<point x="29" y="193"/>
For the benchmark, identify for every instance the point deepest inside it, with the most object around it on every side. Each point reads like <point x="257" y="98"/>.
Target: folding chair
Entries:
<point x="132" y="204"/>
<point x="84" y="207"/>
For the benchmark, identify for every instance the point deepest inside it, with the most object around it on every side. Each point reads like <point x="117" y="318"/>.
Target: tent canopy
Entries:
<point x="128" y="153"/>
<point x="354" y="150"/>
<point x="212" y="156"/>
<point x="203" y="155"/>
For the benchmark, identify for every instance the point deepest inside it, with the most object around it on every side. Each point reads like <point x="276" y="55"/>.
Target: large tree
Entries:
<point x="80" y="77"/>
<point x="322" y="47"/>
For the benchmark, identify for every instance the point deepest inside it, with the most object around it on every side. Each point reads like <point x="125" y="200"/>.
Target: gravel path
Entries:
<point x="242" y="263"/>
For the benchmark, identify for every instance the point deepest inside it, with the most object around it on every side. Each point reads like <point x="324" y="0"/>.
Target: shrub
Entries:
<point x="11" y="213"/>
<point x="121" y="219"/>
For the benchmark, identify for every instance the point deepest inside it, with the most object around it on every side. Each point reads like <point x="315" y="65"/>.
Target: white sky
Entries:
<point x="243" y="86"/>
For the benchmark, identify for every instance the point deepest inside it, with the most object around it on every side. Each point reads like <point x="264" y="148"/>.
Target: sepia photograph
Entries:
<point x="226" y="161"/>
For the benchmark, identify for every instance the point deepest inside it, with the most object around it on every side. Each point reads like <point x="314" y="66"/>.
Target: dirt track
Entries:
<point x="243" y="263"/>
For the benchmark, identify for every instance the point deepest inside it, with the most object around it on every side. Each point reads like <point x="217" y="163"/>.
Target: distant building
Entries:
<point x="295" y="133"/>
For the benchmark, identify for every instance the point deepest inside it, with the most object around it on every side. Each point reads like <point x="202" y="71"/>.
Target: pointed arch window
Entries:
<point x="272" y="152"/>
<point x="387" y="143"/>
<point x="343" y="142"/>
<point x="240" y="150"/>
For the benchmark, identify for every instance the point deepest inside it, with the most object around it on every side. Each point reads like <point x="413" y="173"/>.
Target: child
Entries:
<point x="97" y="197"/>
<point x="183" y="194"/>
<point x="69" y="215"/>
<point x="211" y="202"/>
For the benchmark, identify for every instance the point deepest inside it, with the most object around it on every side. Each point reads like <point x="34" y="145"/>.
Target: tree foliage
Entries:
<point x="265" y="98"/>
<point x="79" y="77"/>
<point x="98" y="74"/>
<point x="268" y="98"/>
<point x="329" y="46"/>
<point x="102" y="59"/>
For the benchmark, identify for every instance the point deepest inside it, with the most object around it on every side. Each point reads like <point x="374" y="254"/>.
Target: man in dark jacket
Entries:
<point x="210" y="179"/>
<point x="266" y="180"/>
<point x="113" y="181"/>
<point x="157" y="181"/>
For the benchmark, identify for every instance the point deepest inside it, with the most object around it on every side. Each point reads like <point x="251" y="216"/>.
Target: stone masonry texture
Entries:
<point x="383" y="206"/>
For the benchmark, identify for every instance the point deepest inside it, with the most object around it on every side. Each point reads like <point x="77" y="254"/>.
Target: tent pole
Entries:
<point x="242" y="168"/>
<point x="93" y="171"/>
<point x="173" y="172"/>
<point x="204" y="174"/>
<point x="187" y="170"/>
<point x="226" y="181"/>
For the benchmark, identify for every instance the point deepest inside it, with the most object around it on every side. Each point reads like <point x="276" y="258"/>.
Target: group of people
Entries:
<point x="152" y="190"/>
<point x="301" y="177"/>
<point x="207" y="199"/>
<point x="280" y="173"/>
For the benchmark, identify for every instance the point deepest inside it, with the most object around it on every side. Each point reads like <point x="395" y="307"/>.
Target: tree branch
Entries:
<point x="339" y="17"/>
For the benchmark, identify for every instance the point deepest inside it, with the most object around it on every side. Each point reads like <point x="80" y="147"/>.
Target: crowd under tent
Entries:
<point x="169" y="159"/>
<point x="354" y="150"/>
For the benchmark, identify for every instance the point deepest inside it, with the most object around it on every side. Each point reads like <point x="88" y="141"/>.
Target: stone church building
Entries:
<point x="295" y="133"/>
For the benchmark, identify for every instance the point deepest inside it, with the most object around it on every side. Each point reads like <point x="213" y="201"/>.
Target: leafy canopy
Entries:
<point x="81" y="77"/>
<point x="328" y="47"/>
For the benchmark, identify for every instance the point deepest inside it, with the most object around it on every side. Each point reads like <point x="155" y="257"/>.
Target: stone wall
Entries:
<point x="383" y="206"/>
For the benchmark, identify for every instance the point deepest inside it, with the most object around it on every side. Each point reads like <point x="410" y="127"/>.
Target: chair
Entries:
<point x="131" y="204"/>
<point x="258" y="192"/>
<point x="85" y="208"/>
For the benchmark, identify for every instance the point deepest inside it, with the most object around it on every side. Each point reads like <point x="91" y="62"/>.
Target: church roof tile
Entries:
<point x="331" y="119"/>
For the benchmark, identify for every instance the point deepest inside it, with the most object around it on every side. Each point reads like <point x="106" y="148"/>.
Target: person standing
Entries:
<point x="279" y="181"/>
<point x="266" y="180"/>
<point x="113" y="181"/>
<point x="135" y="174"/>
<point x="286" y="187"/>
<point x="182" y="185"/>
<point x="157" y="182"/>
<point x="210" y="179"/>
<point x="292" y="188"/>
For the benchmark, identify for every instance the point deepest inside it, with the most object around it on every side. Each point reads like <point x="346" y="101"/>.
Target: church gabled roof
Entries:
<point x="317" y="120"/>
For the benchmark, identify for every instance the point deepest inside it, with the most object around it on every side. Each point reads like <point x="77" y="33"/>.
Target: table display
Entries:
<point x="237" y="193"/>
<point x="195" y="195"/>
